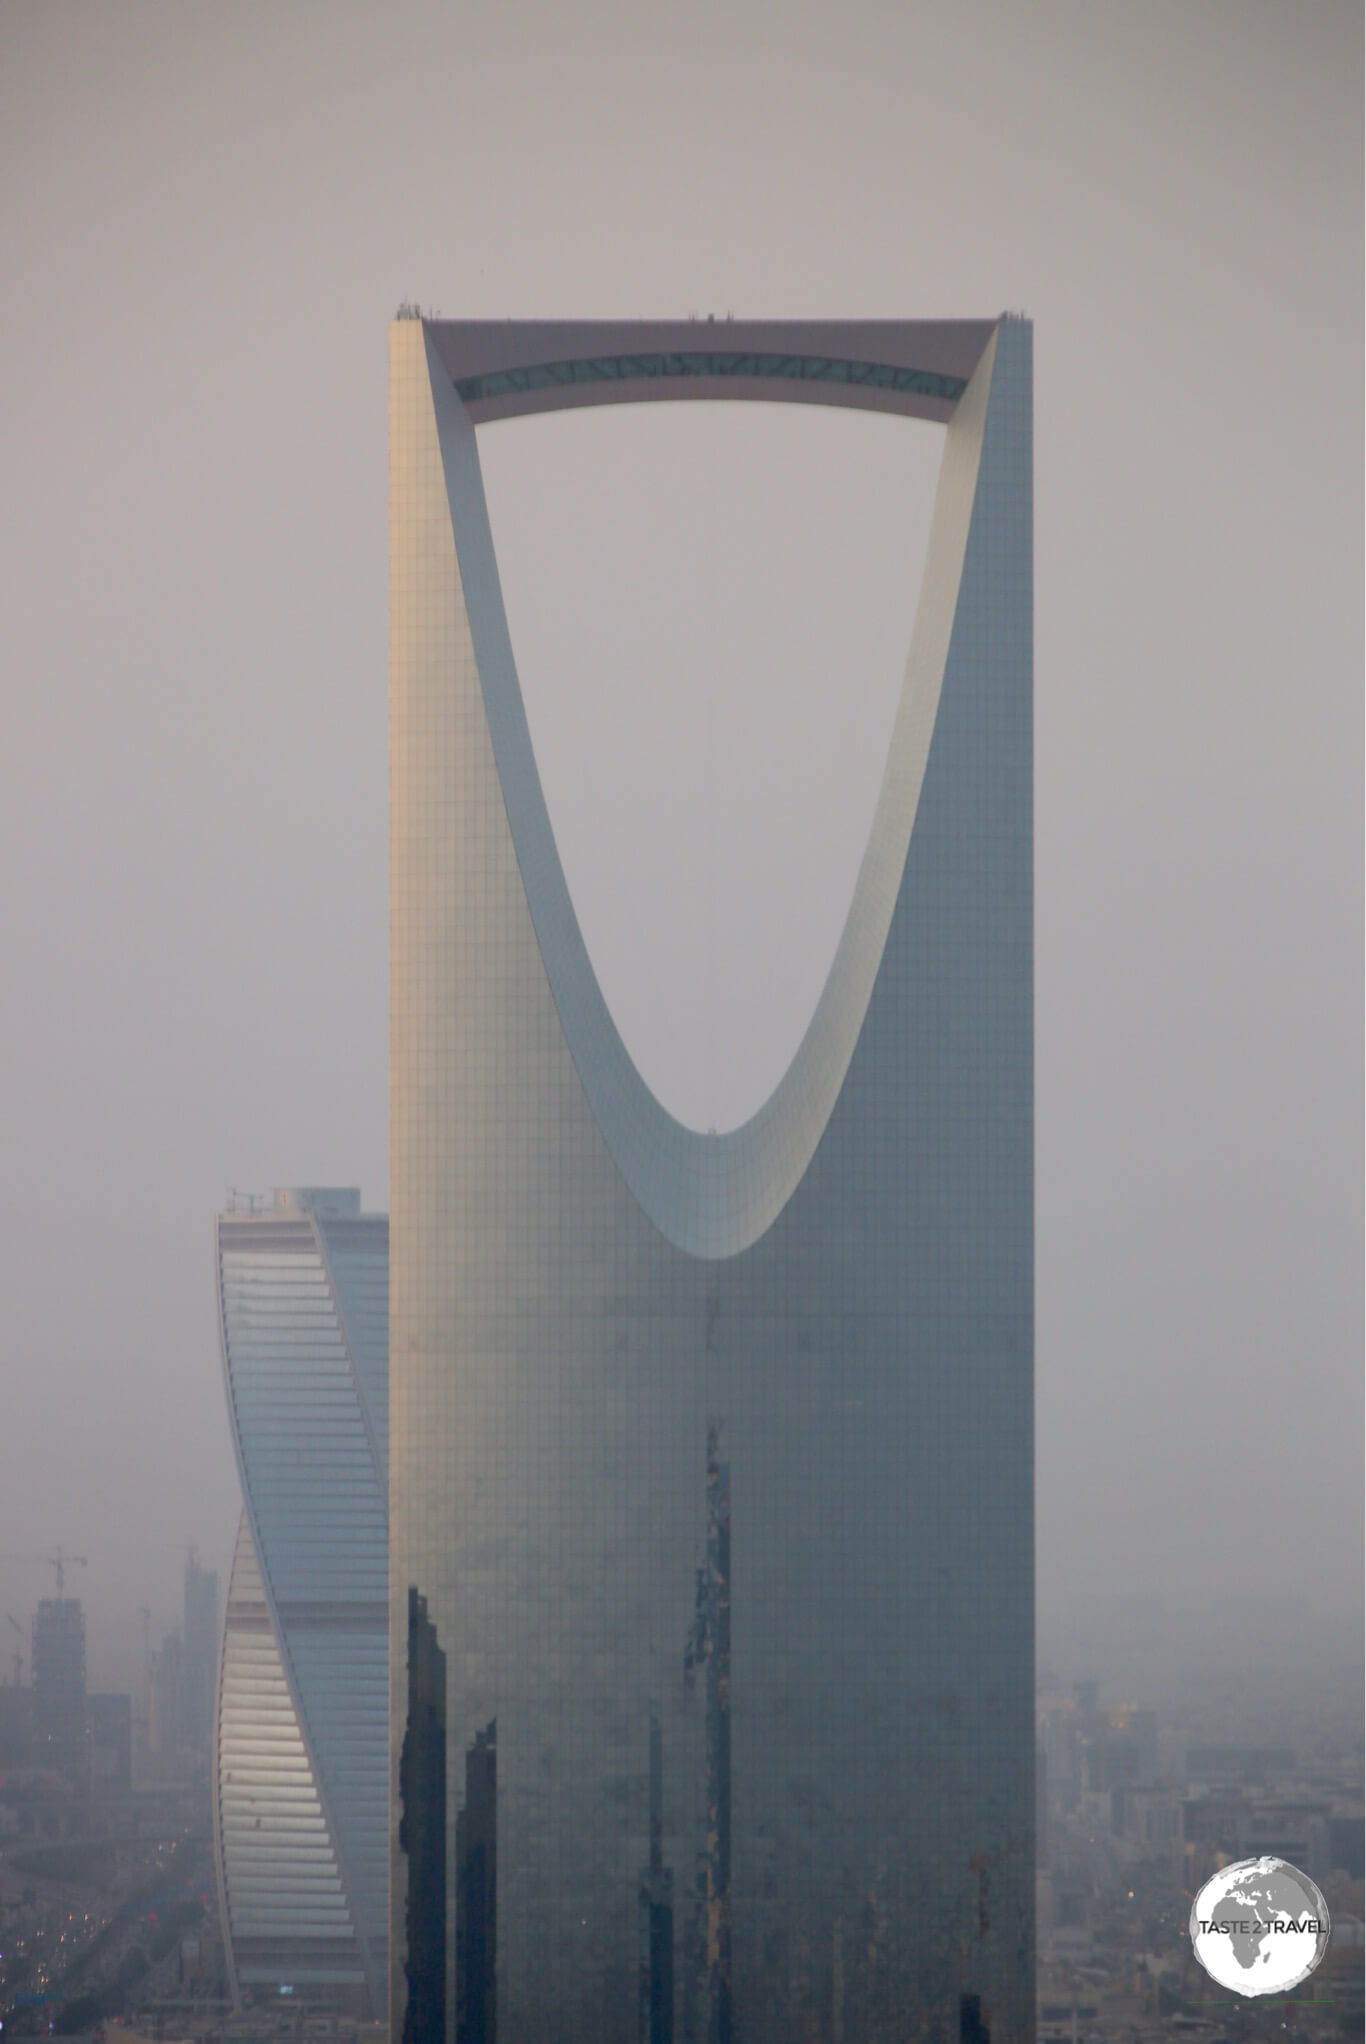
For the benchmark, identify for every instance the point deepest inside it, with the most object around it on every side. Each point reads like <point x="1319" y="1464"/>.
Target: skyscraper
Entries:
<point x="59" y="1681"/>
<point x="712" y="1455"/>
<point x="201" y="1651"/>
<point x="300" y="1822"/>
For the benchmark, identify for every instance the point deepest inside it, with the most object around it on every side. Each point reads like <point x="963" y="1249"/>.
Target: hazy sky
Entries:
<point x="207" y="217"/>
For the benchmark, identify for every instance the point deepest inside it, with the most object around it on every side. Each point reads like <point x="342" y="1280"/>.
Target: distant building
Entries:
<point x="301" y="1788"/>
<point x="1238" y="1763"/>
<point x="1086" y="1751"/>
<point x="59" y="1682"/>
<point x="201" y="1653"/>
<point x="1347" y="1842"/>
<point x="16" y="1725"/>
<point x="182" y="1677"/>
<point x="166" y="1736"/>
<point x="111" y="1742"/>
<point x="1243" y="1823"/>
<point x="1149" y="1820"/>
<point x="1119" y="1748"/>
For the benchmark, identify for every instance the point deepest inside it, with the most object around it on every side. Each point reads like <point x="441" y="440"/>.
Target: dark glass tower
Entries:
<point x="712" y="1457"/>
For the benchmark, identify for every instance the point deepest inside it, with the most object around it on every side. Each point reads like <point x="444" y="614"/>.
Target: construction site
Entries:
<point x="107" y="1903"/>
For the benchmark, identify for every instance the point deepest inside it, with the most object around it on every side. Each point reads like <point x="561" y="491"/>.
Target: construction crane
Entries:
<point x="61" y="1561"/>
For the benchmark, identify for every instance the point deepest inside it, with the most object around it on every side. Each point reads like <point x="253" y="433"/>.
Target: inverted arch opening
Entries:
<point x="710" y="608"/>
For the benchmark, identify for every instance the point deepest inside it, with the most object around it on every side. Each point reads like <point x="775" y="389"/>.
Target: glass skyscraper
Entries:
<point x="712" y="1464"/>
<point x="300" y="1830"/>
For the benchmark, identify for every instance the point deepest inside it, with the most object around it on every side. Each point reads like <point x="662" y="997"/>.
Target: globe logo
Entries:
<point x="1259" y="1926"/>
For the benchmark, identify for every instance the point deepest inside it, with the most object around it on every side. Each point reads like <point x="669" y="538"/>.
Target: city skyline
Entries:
<point x="193" y="811"/>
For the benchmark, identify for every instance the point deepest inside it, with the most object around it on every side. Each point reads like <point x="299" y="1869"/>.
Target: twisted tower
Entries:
<point x="300" y="1828"/>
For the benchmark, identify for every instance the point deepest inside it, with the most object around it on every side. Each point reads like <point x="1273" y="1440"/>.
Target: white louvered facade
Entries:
<point x="301" y="1810"/>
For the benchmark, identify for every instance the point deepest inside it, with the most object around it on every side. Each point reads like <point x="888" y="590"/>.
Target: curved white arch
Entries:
<point x="712" y="1195"/>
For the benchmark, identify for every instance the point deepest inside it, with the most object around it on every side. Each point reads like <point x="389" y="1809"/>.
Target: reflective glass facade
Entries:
<point x="712" y="1465"/>
<point x="300" y="1820"/>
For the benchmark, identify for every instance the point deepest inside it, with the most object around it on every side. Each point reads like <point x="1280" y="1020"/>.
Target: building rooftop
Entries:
<point x="503" y="368"/>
